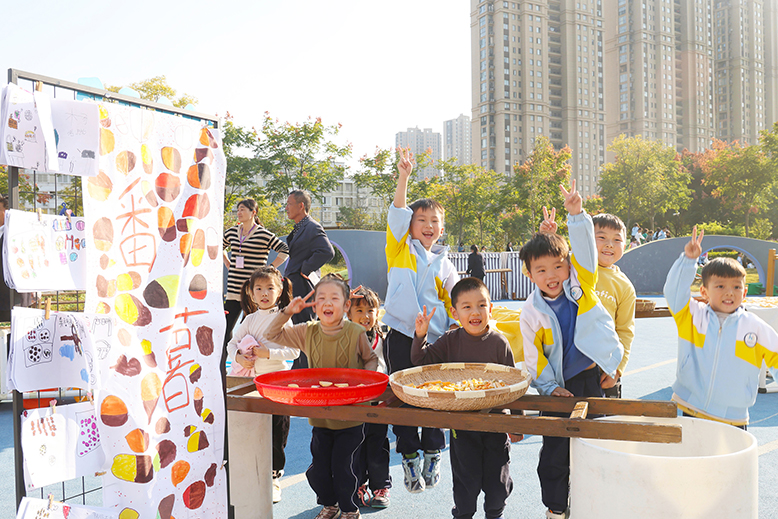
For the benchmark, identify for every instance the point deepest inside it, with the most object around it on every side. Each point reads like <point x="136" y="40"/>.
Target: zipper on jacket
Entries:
<point x="715" y="363"/>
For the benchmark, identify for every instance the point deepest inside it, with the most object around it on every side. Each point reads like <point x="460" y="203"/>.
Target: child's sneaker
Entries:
<point x="363" y="496"/>
<point x="553" y="515"/>
<point x="414" y="483"/>
<point x="431" y="468"/>
<point x="277" y="485"/>
<point x="329" y="512"/>
<point x="351" y="515"/>
<point x="380" y="498"/>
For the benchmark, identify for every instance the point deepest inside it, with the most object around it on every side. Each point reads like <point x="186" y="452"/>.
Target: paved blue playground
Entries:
<point x="650" y="373"/>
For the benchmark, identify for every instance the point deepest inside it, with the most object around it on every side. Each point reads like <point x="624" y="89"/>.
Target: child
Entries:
<point x="479" y="460"/>
<point x="567" y="333"/>
<point x="262" y="296"/>
<point x="614" y="289"/>
<point x="720" y="346"/>
<point x="375" y="451"/>
<point x="330" y="342"/>
<point x="420" y="273"/>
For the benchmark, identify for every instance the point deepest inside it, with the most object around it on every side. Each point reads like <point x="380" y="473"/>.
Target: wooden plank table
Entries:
<point x="390" y="410"/>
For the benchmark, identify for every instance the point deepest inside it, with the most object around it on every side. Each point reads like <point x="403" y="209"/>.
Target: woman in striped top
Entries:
<point x="250" y="244"/>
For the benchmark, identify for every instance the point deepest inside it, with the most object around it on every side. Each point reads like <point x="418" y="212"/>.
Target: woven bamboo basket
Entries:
<point x="644" y="305"/>
<point x="517" y="381"/>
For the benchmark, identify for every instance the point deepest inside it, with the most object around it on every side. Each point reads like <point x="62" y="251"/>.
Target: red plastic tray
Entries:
<point x="275" y="386"/>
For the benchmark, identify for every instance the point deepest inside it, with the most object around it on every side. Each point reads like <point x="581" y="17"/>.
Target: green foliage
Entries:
<point x="28" y="193"/>
<point x="353" y="218"/>
<point x="535" y="184"/>
<point x="644" y="180"/>
<point x="153" y="89"/>
<point x="379" y="173"/>
<point x="239" y="144"/>
<point x="741" y="176"/>
<point x="300" y="156"/>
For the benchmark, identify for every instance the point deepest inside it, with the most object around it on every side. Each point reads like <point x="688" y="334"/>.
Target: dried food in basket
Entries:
<point x="403" y="384"/>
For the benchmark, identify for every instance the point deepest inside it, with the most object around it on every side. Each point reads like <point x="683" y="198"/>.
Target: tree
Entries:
<point x="300" y="156"/>
<point x="379" y="174"/>
<point x="353" y="218"/>
<point x="535" y="184"/>
<point x="153" y="89"/>
<point x="28" y="193"/>
<point x="239" y="146"/>
<point x="742" y="176"/>
<point x="455" y="193"/>
<point x="644" y="180"/>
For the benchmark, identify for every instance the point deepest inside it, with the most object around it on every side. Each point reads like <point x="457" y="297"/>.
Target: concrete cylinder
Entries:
<point x="712" y="473"/>
<point x="250" y="464"/>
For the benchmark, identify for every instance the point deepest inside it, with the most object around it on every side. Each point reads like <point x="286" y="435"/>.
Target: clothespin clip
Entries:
<point x="40" y="215"/>
<point x="224" y="462"/>
<point x="99" y="473"/>
<point x="91" y="397"/>
<point x="67" y="214"/>
<point x="47" y="314"/>
<point x="51" y="500"/>
<point x="39" y="86"/>
<point x="53" y="406"/>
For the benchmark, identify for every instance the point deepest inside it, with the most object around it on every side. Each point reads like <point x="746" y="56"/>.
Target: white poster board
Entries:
<point x="31" y="508"/>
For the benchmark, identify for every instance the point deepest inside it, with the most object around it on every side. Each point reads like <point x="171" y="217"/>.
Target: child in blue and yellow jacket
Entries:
<point x="567" y="334"/>
<point x="720" y="345"/>
<point x="420" y="274"/>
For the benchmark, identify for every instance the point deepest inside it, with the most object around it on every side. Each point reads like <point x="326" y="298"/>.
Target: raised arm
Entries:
<point x="677" y="288"/>
<point x="404" y="168"/>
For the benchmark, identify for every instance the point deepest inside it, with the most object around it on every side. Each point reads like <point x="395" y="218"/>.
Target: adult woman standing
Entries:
<point x="475" y="264"/>
<point x="250" y="244"/>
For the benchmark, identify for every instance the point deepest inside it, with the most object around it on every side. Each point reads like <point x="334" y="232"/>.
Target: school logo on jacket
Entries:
<point x="576" y="293"/>
<point x="750" y="339"/>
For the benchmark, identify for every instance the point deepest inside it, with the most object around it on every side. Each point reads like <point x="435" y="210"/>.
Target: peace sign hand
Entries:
<point x="573" y="200"/>
<point x="549" y="224"/>
<point x="298" y="304"/>
<point x="423" y="321"/>
<point x="405" y="163"/>
<point x="693" y="249"/>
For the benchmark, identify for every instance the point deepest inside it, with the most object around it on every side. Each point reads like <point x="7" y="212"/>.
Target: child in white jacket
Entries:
<point x="262" y="296"/>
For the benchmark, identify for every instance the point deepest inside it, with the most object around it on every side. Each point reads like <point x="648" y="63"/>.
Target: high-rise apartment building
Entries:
<point x="537" y="69"/>
<point x="456" y="140"/>
<point x="686" y="71"/>
<point x="420" y="141"/>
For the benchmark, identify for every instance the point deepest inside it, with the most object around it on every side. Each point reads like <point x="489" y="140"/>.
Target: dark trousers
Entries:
<point x="554" y="464"/>
<point x="397" y="353"/>
<point x="333" y="471"/>
<point x="280" y="435"/>
<point x="232" y="312"/>
<point x="480" y="461"/>
<point x="612" y="392"/>
<point x="374" y="457"/>
<point x="301" y="287"/>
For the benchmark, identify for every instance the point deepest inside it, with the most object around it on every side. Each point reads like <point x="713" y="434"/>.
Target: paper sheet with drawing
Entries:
<point x="44" y="254"/>
<point x="60" y="444"/>
<point x="32" y="508"/>
<point x="22" y="138"/>
<point x="77" y="135"/>
<point x="54" y="352"/>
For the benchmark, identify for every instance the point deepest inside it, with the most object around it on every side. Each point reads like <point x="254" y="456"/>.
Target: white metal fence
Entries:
<point x="518" y="285"/>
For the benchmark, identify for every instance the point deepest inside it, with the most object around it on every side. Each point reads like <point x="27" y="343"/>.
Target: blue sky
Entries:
<point x="377" y="67"/>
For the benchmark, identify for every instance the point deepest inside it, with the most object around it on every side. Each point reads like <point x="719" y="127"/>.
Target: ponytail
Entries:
<point x="247" y="303"/>
<point x="286" y="293"/>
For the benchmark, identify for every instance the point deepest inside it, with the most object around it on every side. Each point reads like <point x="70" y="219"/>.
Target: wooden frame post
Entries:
<point x="770" y="272"/>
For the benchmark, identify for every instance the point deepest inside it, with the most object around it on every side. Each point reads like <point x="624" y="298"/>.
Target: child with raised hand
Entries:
<point x="374" y="456"/>
<point x="479" y="460"/>
<point x="262" y="296"/>
<point x="420" y="274"/>
<point x="720" y="345"/>
<point x="330" y="342"/>
<point x="614" y="289"/>
<point x="567" y="334"/>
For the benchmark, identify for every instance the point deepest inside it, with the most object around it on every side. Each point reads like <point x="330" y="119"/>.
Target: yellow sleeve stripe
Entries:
<point x="686" y="328"/>
<point x="756" y="354"/>
<point x="443" y="294"/>
<point x="588" y="281"/>
<point x="398" y="253"/>
<point x="543" y="336"/>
